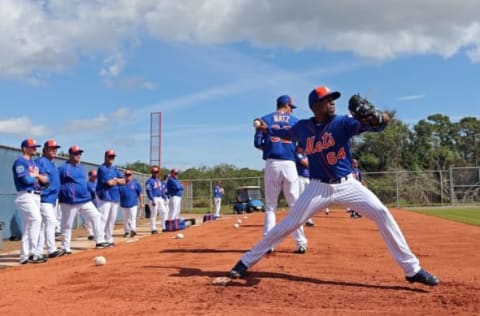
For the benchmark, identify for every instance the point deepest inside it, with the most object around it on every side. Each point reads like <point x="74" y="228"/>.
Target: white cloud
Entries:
<point x="22" y="126"/>
<point x="410" y="97"/>
<point x="99" y="123"/>
<point x="49" y="36"/>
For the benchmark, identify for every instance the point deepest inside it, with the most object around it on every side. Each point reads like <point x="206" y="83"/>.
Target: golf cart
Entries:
<point x="248" y="199"/>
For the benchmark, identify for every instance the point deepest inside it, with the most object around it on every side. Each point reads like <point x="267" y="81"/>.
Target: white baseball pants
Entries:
<point x="174" y="207"/>
<point x="158" y="209"/>
<point x="69" y="212"/>
<point x="349" y="193"/>
<point x="129" y="219"/>
<point x="47" y="229"/>
<point x="109" y="211"/>
<point x="28" y="204"/>
<point x="218" y="204"/>
<point x="281" y="175"/>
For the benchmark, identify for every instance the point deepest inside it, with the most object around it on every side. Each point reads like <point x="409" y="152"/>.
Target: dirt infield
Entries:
<point x="347" y="270"/>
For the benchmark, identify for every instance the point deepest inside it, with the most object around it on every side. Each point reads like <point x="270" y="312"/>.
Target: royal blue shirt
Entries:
<point x="50" y="193"/>
<point x="129" y="193"/>
<point x="275" y="147"/>
<point x="217" y="192"/>
<point x="104" y="191"/>
<point x="92" y="185"/>
<point x="154" y="188"/>
<point x="357" y="174"/>
<point x="73" y="184"/>
<point x="174" y="187"/>
<point x="301" y="169"/>
<point x="21" y="174"/>
<point x="327" y="145"/>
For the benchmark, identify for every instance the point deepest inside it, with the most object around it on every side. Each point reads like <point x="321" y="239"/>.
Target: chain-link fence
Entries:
<point x="395" y="189"/>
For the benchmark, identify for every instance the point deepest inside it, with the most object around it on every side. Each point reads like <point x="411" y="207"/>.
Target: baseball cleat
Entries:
<point x="301" y="250"/>
<point x="238" y="271"/>
<point x="133" y="233"/>
<point x="39" y="259"/>
<point x="423" y="277"/>
<point x="102" y="245"/>
<point x="56" y="253"/>
<point x="310" y="224"/>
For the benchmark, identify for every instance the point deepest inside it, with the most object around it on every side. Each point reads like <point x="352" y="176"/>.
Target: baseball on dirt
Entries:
<point x="236" y="225"/>
<point x="179" y="236"/>
<point x="100" y="260"/>
<point x="256" y="123"/>
<point x="239" y="221"/>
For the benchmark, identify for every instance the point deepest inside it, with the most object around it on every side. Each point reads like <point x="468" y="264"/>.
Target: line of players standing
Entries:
<point x="43" y="190"/>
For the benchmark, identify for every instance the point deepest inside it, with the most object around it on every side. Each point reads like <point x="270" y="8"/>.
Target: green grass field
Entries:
<point x="467" y="215"/>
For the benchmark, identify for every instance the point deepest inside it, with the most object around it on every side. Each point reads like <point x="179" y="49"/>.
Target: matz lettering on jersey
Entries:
<point x="281" y="118"/>
<point x="325" y="142"/>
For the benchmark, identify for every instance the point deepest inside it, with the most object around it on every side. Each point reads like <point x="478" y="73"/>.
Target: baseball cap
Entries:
<point x="50" y="144"/>
<point x="110" y="152"/>
<point x="174" y="171"/>
<point x="29" y="143"/>
<point x="92" y="172"/>
<point x="75" y="150"/>
<point x="285" y="99"/>
<point x="154" y="169"/>
<point x="320" y="93"/>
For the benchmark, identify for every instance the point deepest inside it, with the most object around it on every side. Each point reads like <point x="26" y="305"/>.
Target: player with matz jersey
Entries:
<point x="325" y="139"/>
<point x="280" y="169"/>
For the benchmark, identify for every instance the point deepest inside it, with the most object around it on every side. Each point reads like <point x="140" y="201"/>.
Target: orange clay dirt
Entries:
<point x="346" y="270"/>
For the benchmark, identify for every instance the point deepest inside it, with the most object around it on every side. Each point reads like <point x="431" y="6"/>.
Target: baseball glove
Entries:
<point x="364" y="111"/>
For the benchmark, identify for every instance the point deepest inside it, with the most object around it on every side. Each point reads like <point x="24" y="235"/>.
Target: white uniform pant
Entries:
<point x="349" y="193"/>
<point x="158" y="209"/>
<point x="28" y="205"/>
<point x="47" y="229"/>
<point x="130" y="218"/>
<point x="174" y="207"/>
<point x="109" y="211"/>
<point x="69" y="212"/>
<point x="218" y="204"/>
<point x="89" y="225"/>
<point x="302" y="184"/>
<point x="59" y="218"/>
<point x="281" y="176"/>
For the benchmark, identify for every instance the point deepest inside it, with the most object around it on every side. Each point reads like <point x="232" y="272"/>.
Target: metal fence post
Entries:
<point x="397" y="182"/>
<point x="441" y="187"/>
<point x="452" y="193"/>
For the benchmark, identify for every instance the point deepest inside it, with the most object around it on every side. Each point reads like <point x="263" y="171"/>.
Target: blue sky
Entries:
<point x="90" y="73"/>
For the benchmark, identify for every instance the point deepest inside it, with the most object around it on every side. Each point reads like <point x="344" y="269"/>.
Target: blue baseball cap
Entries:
<point x="321" y="93"/>
<point x="285" y="99"/>
<point x="29" y="143"/>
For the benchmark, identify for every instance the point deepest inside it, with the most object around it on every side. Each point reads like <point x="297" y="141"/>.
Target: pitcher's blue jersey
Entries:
<point x="275" y="147"/>
<point x="327" y="145"/>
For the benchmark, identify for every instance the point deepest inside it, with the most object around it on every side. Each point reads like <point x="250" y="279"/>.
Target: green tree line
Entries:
<point x="435" y="143"/>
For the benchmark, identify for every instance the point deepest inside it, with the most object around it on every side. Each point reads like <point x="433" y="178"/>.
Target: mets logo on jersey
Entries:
<point x="326" y="141"/>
